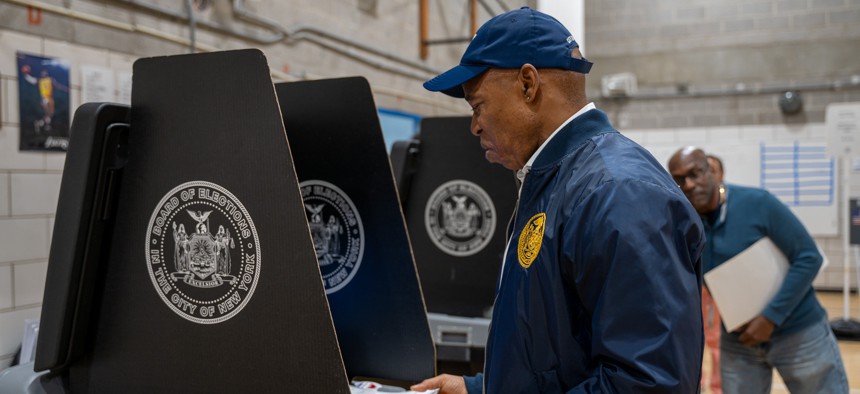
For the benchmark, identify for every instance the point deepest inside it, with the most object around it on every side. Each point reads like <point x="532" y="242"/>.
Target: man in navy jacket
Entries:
<point x="600" y="283"/>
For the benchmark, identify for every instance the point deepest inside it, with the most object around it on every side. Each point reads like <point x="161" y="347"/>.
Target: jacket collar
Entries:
<point x="572" y="136"/>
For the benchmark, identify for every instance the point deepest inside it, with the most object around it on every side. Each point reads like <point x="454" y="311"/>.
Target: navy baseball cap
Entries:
<point x="510" y="40"/>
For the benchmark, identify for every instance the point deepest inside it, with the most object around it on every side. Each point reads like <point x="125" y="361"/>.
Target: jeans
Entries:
<point x="807" y="360"/>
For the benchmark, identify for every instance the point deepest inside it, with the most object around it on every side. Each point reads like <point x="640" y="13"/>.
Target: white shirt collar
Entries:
<point x="521" y="173"/>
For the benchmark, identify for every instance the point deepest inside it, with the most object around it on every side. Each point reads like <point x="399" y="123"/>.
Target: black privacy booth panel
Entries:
<point x="457" y="207"/>
<point x="358" y="228"/>
<point x="87" y="205"/>
<point x="196" y="250"/>
<point x="210" y="274"/>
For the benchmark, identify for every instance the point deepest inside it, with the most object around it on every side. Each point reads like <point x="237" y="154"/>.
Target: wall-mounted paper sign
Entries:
<point x="843" y="129"/>
<point x="124" y="83"/>
<point x="97" y="85"/>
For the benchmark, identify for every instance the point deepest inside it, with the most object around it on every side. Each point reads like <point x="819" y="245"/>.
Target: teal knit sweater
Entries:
<point x="750" y="214"/>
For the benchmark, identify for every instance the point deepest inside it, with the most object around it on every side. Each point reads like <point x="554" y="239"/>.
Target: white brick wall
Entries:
<point x="10" y="157"/>
<point x="29" y="187"/>
<point x="34" y="193"/>
<point x="11" y="116"/>
<point x="30" y="283"/>
<point x="12" y="330"/>
<point x="50" y="231"/>
<point x="30" y="184"/>
<point x="23" y="239"/>
<point x="5" y="195"/>
<point x="11" y="42"/>
<point x="691" y="136"/>
<point x="6" y="288"/>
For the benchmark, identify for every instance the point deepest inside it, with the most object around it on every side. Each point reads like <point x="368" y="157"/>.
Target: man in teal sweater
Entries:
<point x="792" y="333"/>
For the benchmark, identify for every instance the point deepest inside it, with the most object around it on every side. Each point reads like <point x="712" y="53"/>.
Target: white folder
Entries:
<point x="744" y="285"/>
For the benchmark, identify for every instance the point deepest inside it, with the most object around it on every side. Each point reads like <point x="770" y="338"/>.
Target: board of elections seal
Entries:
<point x="337" y="232"/>
<point x="202" y="252"/>
<point x="460" y="218"/>
<point x="531" y="240"/>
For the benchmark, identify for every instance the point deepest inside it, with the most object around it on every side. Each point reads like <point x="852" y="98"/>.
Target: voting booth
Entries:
<point x="457" y="207"/>
<point x="349" y="194"/>
<point x="206" y="243"/>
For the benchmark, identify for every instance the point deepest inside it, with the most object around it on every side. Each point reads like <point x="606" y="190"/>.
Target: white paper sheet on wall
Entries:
<point x="97" y="84"/>
<point x="843" y="129"/>
<point x="124" y="83"/>
<point x="743" y="286"/>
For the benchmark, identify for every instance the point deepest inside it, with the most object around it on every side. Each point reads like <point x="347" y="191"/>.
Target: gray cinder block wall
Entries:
<point x="715" y="69"/>
<point x="730" y="45"/>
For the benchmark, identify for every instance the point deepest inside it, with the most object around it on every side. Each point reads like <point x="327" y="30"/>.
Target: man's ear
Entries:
<point x="529" y="79"/>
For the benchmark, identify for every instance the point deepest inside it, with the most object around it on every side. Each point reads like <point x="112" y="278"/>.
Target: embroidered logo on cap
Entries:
<point x="531" y="239"/>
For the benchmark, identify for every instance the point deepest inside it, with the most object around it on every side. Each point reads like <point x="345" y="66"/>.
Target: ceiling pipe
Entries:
<point x="276" y="75"/>
<point x="741" y="89"/>
<point x="425" y="41"/>
<point x="249" y="16"/>
<point x="192" y="25"/>
<point x="159" y="10"/>
<point x="487" y="7"/>
<point x="503" y="5"/>
<point x="351" y="53"/>
<point x="292" y="34"/>
<point x="317" y="31"/>
<point x="128" y="27"/>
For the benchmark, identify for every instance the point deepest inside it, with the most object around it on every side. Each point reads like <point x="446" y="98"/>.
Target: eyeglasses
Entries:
<point x="696" y="174"/>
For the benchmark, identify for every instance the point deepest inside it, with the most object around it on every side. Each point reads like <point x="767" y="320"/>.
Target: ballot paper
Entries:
<point x="356" y="390"/>
<point x="367" y="387"/>
<point x="744" y="285"/>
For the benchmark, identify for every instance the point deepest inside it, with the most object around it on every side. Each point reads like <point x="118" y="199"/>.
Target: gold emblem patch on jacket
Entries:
<point x="531" y="239"/>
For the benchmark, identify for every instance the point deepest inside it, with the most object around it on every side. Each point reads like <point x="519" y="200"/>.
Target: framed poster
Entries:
<point x="44" y="102"/>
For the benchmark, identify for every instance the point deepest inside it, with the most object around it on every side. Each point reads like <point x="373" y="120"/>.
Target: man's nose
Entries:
<point x="475" y="128"/>
<point x="689" y="183"/>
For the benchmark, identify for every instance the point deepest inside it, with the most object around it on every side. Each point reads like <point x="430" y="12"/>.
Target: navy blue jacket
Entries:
<point x="608" y="298"/>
